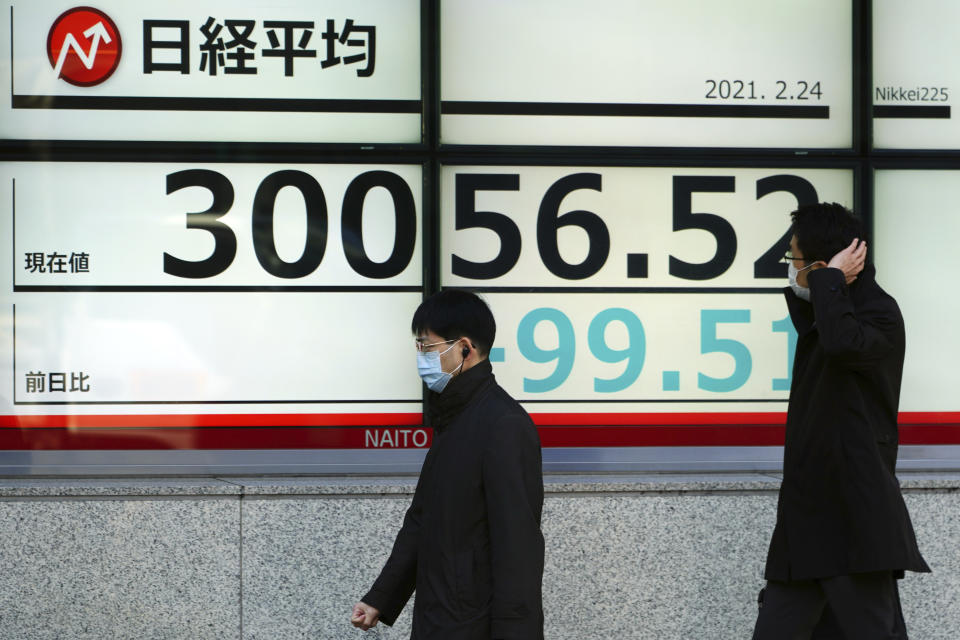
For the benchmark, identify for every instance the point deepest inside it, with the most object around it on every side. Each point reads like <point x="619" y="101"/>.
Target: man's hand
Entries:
<point x="364" y="616"/>
<point x="850" y="260"/>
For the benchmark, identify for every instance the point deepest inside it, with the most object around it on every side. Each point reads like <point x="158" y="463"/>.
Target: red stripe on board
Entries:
<point x="415" y="419"/>
<point x="732" y="418"/>
<point x="217" y="438"/>
<point x="663" y="436"/>
<point x="412" y="437"/>
<point x="930" y="434"/>
<point x="928" y="417"/>
<point x="213" y="420"/>
<point x="729" y="418"/>
<point x="716" y="436"/>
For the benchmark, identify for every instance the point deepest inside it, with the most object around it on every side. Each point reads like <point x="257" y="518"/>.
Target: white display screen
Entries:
<point x="656" y="73"/>
<point x="915" y="75"/>
<point x="915" y="222"/>
<point x="238" y="290"/>
<point x="246" y="71"/>
<point x="264" y="302"/>
<point x="633" y="289"/>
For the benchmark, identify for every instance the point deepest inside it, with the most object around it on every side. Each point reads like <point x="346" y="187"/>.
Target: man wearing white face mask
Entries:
<point x="843" y="535"/>
<point x="470" y="544"/>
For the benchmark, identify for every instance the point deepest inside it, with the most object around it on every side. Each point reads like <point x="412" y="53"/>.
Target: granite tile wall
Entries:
<point x="99" y="567"/>
<point x="666" y="557"/>
<point x="307" y="561"/>
<point x="931" y="602"/>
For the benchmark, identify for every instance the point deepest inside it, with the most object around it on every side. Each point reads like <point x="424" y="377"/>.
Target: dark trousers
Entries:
<point x="857" y="607"/>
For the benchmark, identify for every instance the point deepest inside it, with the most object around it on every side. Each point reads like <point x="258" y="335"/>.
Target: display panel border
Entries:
<point x="918" y="157"/>
<point x="861" y="158"/>
<point x="363" y="461"/>
<point x="859" y="44"/>
<point x="131" y="149"/>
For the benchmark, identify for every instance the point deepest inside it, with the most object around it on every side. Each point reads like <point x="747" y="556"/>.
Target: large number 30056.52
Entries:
<point x="550" y="221"/>
<point x="315" y="242"/>
<point x="636" y="349"/>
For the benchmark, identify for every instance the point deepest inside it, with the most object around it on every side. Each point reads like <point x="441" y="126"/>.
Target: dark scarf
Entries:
<point x="443" y="408"/>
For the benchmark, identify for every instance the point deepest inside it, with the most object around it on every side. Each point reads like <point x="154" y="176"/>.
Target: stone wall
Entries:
<point x="655" y="556"/>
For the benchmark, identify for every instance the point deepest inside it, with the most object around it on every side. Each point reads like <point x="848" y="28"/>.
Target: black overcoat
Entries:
<point x="471" y="544"/>
<point x="840" y="509"/>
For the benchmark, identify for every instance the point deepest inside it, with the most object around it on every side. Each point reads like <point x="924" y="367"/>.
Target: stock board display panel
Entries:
<point x="915" y="225"/>
<point x="146" y="296"/>
<point x="644" y="296"/>
<point x="247" y="71"/>
<point x="657" y="73"/>
<point x="267" y="306"/>
<point x="915" y="75"/>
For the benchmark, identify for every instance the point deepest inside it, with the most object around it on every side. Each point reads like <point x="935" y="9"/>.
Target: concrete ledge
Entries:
<point x="571" y="484"/>
<point x="320" y="485"/>
<point x="929" y="481"/>
<point x="405" y="485"/>
<point x="122" y="487"/>
<point x="660" y="483"/>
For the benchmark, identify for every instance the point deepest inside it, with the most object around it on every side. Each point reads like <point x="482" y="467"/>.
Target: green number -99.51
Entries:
<point x="565" y="351"/>
<point x="634" y="353"/>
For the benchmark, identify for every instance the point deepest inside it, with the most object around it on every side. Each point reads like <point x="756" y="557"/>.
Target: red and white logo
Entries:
<point x="84" y="46"/>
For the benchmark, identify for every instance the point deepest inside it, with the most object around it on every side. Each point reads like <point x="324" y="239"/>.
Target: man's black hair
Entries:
<point x="454" y="314"/>
<point x="823" y="230"/>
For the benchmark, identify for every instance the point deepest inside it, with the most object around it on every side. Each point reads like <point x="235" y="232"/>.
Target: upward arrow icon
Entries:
<point x="98" y="32"/>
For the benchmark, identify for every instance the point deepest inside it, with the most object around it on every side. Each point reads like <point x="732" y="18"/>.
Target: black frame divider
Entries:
<point x="432" y="154"/>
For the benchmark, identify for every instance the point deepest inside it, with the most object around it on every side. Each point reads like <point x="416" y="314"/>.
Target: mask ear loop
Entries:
<point x="462" y="358"/>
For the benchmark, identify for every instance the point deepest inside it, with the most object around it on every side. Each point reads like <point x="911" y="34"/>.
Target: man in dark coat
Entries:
<point x="843" y="533"/>
<point x="470" y="544"/>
